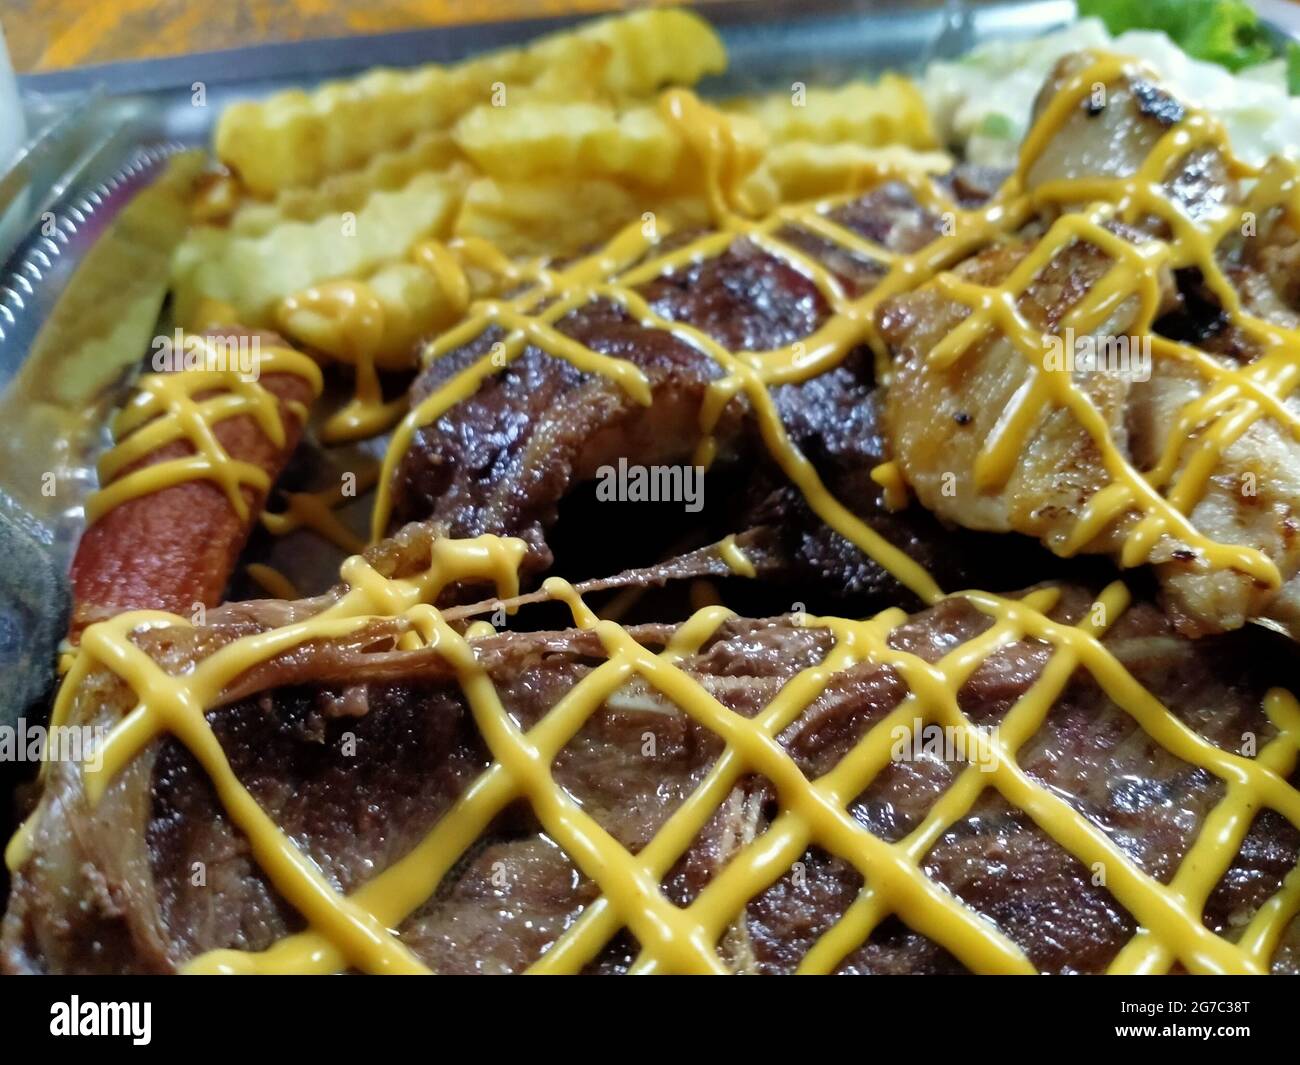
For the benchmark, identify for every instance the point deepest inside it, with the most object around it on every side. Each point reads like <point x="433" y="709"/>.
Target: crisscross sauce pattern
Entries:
<point x="186" y="405"/>
<point x="355" y="931"/>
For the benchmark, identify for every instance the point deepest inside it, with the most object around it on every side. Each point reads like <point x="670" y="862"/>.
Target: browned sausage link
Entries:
<point x="176" y="547"/>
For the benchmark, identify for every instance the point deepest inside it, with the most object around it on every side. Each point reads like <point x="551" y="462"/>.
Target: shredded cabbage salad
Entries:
<point x="981" y="103"/>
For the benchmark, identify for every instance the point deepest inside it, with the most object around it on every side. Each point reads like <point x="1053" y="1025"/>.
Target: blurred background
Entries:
<point x="54" y="34"/>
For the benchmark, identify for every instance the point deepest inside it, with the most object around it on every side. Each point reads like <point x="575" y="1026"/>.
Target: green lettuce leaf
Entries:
<point x="1227" y="32"/>
<point x="996" y="125"/>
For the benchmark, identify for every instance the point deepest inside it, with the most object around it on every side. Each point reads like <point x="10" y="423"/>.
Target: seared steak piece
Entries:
<point x="503" y="460"/>
<point x="113" y="888"/>
<point x="837" y="419"/>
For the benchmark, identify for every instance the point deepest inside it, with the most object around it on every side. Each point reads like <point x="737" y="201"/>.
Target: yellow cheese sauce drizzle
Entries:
<point x="347" y="320"/>
<point x="890" y="478"/>
<point x="361" y="318"/>
<point x="185" y="405"/>
<point x="356" y="931"/>
<point x="315" y="511"/>
<point x="1159" y="501"/>
<point x="272" y="581"/>
<point x="735" y="558"/>
<point x="1233" y="399"/>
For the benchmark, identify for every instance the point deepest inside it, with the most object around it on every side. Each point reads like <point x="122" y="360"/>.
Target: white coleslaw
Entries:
<point x="981" y="103"/>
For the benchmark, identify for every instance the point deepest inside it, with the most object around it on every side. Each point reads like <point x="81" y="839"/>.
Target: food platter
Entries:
<point x="343" y="395"/>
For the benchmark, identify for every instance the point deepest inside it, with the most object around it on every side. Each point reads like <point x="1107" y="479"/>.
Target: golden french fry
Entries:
<point x="384" y="317"/>
<point x="299" y="138"/>
<point x="556" y="218"/>
<point x="347" y="191"/>
<point x="543" y="137"/>
<point x="892" y="111"/>
<point x="653" y="49"/>
<point x="553" y="217"/>
<point x="802" y="170"/>
<point x="644" y="147"/>
<point x="252" y="274"/>
<point x="296" y="138"/>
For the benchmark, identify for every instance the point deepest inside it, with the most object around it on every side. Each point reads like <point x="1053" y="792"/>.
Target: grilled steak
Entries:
<point x="505" y="459"/>
<point x="112" y="889"/>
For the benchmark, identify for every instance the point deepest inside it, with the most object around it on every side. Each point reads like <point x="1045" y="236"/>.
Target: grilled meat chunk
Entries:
<point x="110" y="888"/>
<point x="941" y="416"/>
<point x="938" y="419"/>
<point x="503" y="460"/>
